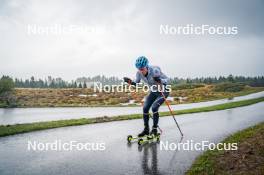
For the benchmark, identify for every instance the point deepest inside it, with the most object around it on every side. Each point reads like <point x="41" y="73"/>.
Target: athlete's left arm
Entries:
<point x="159" y="76"/>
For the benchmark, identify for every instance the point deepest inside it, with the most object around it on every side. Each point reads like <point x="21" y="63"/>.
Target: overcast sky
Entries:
<point x="122" y="30"/>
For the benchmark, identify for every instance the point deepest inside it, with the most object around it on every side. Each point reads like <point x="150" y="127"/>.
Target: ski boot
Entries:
<point x="153" y="137"/>
<point x="154" y="131"/>
<point x="144" y="132"/>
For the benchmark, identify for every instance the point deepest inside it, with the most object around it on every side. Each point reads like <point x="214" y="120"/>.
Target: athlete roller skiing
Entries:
<point x="153" y="76"/>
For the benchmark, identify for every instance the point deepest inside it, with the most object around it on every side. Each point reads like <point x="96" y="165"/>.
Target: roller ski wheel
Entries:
<point x="129" y="138"/>
<point x="140" y="141"/>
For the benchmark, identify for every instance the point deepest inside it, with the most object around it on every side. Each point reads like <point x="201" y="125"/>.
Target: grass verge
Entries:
<point x="248" y="159"/>
<point x="6" y="130"/>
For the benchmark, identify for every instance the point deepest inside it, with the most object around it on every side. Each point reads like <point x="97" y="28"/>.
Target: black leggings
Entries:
<point x="154" y="99"/>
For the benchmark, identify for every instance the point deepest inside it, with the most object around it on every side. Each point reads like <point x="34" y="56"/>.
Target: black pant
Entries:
<point x="154" y="99"/>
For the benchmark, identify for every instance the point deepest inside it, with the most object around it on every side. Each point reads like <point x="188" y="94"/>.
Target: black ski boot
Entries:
<point x="154" y="131"/>
<point x="144" y="132"/>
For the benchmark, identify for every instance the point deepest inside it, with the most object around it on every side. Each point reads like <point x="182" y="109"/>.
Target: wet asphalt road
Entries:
<point x="118" y="156"/>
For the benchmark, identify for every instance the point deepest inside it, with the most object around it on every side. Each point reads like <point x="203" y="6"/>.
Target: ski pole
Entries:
<point x="167" y="103"/>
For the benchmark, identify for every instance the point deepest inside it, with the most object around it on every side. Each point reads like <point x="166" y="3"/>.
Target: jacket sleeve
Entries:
<point x="138" y="77"/>
<point x="165" y="80"/>
<point x="157" y="73"/>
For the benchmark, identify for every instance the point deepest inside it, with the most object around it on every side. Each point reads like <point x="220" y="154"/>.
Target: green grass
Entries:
<point x="3" y="105"/>
<point x="206" y="165"/>
<point x="6" y="130"/>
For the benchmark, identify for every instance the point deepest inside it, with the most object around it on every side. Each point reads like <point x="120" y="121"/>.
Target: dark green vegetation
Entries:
<point x="21" y="128"/>
<point x="7" y="97"/>
<point x="83" y="82"/>
<point x="248" y="159"/>
<point x="52" y="82"/>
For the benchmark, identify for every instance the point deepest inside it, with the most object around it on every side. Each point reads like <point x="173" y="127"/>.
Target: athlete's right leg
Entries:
<point x="147" y="104"/>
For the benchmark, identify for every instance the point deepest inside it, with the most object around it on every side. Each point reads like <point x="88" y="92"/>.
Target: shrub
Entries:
<point x="7" y="98"/>
<point x="6" y="84"/>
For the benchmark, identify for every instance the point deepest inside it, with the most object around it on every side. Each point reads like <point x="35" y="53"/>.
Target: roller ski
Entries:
<point x="145" y="136"/>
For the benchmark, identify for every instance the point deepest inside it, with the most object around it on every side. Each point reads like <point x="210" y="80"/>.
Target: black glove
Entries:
<point x="127" y="80"/>
<point x="157" y="79"/>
